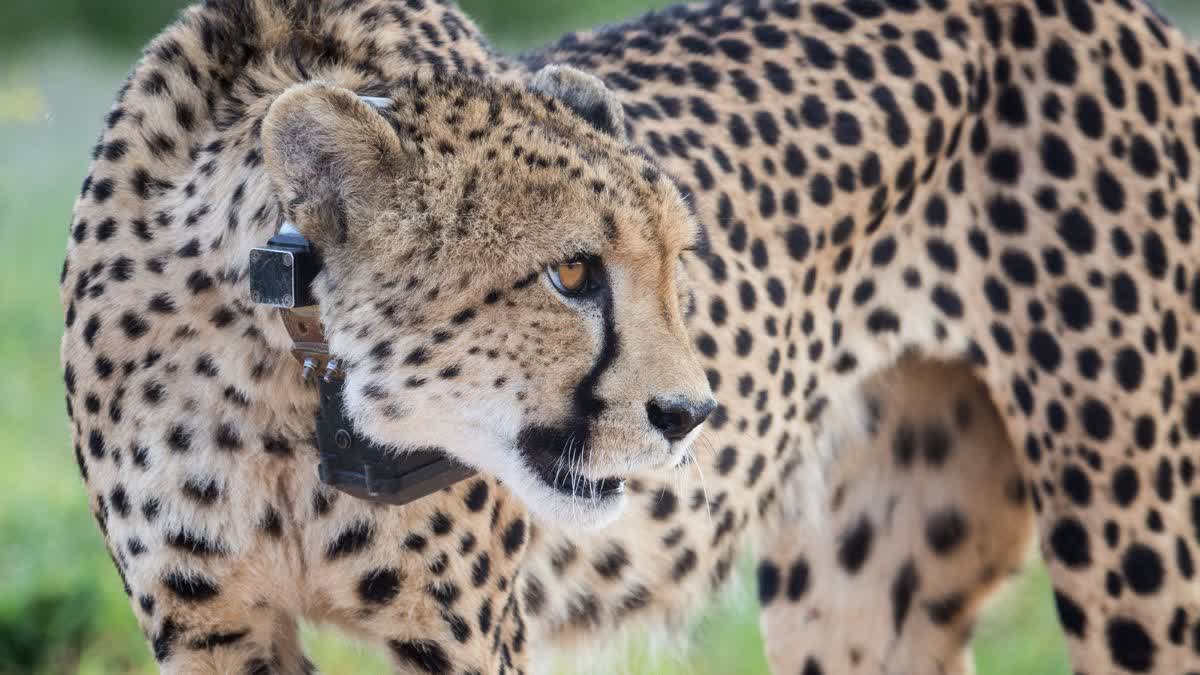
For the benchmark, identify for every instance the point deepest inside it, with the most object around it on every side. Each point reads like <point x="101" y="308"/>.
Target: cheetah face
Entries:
<point x="503" y="279"/>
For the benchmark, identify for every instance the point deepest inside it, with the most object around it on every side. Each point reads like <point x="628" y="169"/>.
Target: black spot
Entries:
<point x="1097" y="420"/>
<point x="164" y="640"/>
<point x="664" y="504"/>
<point x="1057" y="157"/>
<point x="1044" y="349"/>
<point x="945" y="530"/>
<point x="1070" y="615"/>
<point x="191" y="586"/>
<point x="1060" y="63"/>
<point x="481" y="569"/>
<point x="379" y="586"/>
<point x="798" y="579"/>
<point x="1129" y="644"/>
<point x="883" y="252"/>
<point x="855" y="545"/>
<point x="1079" y="13"/>
<point x="1076" y="485"/>
<point x="904" y="587"/>
<point x="768" y="582"/>
<point x="199" y="281"/>
<point x="883" y="320"/>
<point x="1070" y="543"/>
<point x="96" y="444"/>
<point x="227" y="437"/>
<point x="1143" y="569"/>
<point x="534" y="596"/>
<point x="684" y="564"/>
<point x="133" y="325"/>
<point x="798" y="242"/>
<point x="203" y="491"/>
<point x="904" y="444"/>
<point x="196" y="544"/>
<point x="944" y="610"/>
<point x="1191" y="416"/>
<point x="358" y="536"/>
<point x="1007" y="215"/>
<point x="477" y="497"/>
<point x="1077" y="231"/>
<point x="1004" y="166"/>
<point x="440" y="523"/>
<point x="102" y="190"/>
<point x="425" y="655"/>
<point x="1144" y="157"/>
<point x="271" y="523"/>
<point x="214" y="640"/>
<point x="444" y="592"/>
<point x="1075" y="308"/>
<point x="610" y="564"/>
<point x="948" y="301"/>
<point x="936" y="442"/>
<point x="1125" y="485"/>
<point x="942" y="254"/>
<point x="1010" y="106"/>
<point x="514" y="537"/>
<point x="179" y="438"/>
<point x="1127" y="368"/>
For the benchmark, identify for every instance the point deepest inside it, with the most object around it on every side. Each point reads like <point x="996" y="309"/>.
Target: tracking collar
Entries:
<point x="281" y="275"/>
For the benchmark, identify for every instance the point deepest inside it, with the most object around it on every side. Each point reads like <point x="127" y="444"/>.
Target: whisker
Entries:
<point x="704" y="491"/>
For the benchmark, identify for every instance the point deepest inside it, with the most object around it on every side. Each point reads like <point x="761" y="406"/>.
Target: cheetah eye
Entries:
<point x="576" y="277"/>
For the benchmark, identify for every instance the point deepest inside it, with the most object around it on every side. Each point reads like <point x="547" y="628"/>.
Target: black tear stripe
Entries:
<point x="588" y="406"/>
<point x="543" y="445"/>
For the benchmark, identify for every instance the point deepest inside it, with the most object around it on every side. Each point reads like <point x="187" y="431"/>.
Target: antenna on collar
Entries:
<point x="281" y="275"/>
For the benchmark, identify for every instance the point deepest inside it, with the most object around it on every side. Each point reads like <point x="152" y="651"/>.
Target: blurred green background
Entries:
<point x="62" y="609"/>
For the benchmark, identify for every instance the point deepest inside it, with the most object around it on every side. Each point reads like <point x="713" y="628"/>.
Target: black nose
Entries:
<point x="676" y="418"/>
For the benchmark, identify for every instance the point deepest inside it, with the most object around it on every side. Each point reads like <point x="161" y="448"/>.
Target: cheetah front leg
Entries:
<point x="216" y="616"/>
<point x="925" y="519"/>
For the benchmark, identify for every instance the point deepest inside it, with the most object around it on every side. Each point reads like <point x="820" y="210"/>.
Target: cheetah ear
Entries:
<point x="334" y="161"/>
<point x="585" y="94"/>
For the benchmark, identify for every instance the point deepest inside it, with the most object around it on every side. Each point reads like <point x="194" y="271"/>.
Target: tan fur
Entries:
<point x="908" y="207"/>
<point x="905" y="505"/>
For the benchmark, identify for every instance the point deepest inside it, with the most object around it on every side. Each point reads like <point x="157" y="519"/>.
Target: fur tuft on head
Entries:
<point x="585" y="94"/>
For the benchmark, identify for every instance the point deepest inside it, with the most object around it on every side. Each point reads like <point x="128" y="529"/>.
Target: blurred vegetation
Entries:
<point x="62" y="609"/>
<point x="127" y="24"/>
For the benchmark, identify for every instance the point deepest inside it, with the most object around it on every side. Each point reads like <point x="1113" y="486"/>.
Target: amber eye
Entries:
<point x="574" y="277"/>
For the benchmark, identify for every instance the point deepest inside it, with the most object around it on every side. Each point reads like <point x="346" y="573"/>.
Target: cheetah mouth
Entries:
<point x="544" y="447"/>
<point x="574" y="485"/>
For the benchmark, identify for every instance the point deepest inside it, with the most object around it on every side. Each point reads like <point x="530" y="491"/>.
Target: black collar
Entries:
<point x="281" y="275"/>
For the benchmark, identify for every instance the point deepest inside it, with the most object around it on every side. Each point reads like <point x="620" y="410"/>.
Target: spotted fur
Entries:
<point x="936" y="260"/>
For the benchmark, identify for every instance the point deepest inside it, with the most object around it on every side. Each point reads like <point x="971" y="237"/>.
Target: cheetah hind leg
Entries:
<point x="925" y="519"/>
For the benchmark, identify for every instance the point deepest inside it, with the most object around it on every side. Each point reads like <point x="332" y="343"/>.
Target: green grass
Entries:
<point x="61" y="604"/>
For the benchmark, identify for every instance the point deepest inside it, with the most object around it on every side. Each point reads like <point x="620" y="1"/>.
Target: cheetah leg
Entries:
<point x="219" y="637"/>
<point x="202" y="607"/>
<point x="926" y="518"/>
<point x="1114" y="482"/>
<point x="437" y="598"/>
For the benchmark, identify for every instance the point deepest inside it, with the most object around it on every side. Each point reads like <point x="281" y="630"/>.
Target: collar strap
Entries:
<point x="281" y="276"/>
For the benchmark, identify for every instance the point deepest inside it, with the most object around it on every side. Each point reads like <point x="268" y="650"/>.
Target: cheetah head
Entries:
<point x="502" y="278"/>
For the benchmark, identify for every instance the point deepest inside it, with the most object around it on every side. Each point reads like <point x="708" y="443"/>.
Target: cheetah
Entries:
<point x="872" y="290"/>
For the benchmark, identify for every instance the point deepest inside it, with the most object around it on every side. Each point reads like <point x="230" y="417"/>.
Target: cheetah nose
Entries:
<point x="676" y="418"/>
